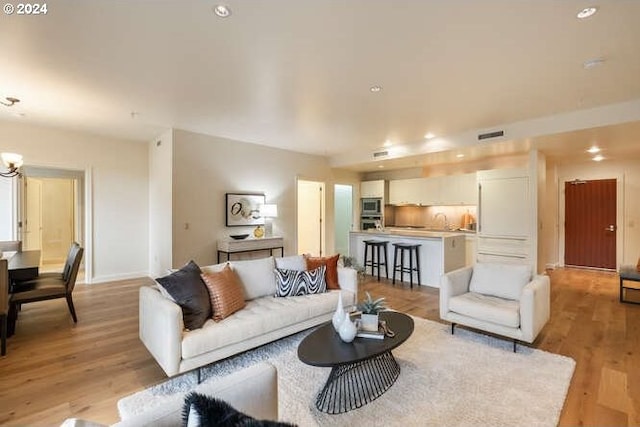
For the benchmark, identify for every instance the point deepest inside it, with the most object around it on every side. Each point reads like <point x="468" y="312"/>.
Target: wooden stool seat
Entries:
<point x="377" y="247"/>
<point x="414" y="253"/>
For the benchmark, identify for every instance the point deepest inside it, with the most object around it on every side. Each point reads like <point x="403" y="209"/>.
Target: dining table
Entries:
<point x="24" y="265"/>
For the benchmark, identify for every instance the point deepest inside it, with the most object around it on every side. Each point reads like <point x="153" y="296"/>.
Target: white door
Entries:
<point x="32" y="223"/>
<point x="310" y="218"/>
<point x="343" y="217"/>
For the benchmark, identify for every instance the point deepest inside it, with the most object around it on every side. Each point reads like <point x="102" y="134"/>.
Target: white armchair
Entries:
<point x="502" y="299"/>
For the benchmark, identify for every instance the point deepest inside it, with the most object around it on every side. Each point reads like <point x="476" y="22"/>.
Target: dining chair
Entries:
<point x="48" y="286"/>
<point x="4" y="304"/>
<point x="11" y="245"/>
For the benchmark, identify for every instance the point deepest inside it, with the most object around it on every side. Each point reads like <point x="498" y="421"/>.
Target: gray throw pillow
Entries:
<point x="189" y="291"/>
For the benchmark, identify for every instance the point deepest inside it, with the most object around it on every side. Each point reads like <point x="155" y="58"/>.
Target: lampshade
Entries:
<point x="268" y="210"/>
<point x="12" y="162"/>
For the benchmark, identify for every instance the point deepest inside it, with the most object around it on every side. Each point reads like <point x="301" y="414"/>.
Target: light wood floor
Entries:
<point x="55" y="369"/>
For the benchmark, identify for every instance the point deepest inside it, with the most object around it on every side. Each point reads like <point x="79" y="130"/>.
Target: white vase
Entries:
<point x="338" y="316"/>
<point x="348" y="329"/>
<point x="369" y="322"/>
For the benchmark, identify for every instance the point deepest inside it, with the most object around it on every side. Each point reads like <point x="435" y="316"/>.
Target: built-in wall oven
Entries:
<point x="368" y="222"/>
<point x="371" y="207"/>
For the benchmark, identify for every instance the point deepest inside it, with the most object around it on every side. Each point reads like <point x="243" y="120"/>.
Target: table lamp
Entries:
<point x="268" y="211"/>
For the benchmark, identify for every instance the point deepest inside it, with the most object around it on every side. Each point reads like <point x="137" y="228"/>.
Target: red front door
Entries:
<point x="590" y="223"/>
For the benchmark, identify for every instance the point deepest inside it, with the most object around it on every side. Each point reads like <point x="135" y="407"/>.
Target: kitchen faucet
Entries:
<point x="446" y="223"/>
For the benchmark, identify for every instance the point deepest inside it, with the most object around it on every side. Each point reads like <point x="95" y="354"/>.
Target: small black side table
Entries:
<point x="361" y="371"/>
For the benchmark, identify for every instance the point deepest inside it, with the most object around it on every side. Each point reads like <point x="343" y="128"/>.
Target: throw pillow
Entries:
<point x="225" y="291"/>
<point x="256" y="277"/>
<point x="294" y="262"/>
<point x="200" y="410"/>
<point x="189" y="291"/>
<point x="291" y="283"/>
<point x="332" y="268"/>
<point x="500" y="280"/>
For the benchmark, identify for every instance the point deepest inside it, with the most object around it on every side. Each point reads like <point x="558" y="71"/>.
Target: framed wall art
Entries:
<point x="242" y="209"/>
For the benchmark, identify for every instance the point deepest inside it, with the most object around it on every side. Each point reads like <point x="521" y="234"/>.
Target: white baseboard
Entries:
<point x="551" y="266"/>
<point x="115" y="277"/>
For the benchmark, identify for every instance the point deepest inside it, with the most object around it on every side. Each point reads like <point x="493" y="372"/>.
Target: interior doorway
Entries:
<point x="343" y="217"/>
<point x="311" y="213"/>
<point x="52" y="208"/>
<point x="590" y="223"/>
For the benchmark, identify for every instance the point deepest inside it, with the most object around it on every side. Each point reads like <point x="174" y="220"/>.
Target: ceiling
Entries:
<point x="297" y="74"/>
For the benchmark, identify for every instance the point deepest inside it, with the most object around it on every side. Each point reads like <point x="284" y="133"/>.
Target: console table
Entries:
<point x="230" y="246"/>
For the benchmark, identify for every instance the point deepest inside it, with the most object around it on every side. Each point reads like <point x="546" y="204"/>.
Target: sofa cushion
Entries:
<point x="189" y="291"/>
<point x="225" y="291"/>
<point x="294" y="262"/>
<point x="492" y="309"/>
<point x="259" y="317"/>
<point x="331" y="276"/>
<point x="291" y="283"/>
<point x="500" y="280"/>
<point x="256" y="277"/>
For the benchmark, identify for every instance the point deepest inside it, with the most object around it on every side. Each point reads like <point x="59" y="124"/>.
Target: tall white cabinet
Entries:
<point x="507" y="216"/>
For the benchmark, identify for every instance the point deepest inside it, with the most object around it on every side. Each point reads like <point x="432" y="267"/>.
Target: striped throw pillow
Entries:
<point x="290" y="283"/>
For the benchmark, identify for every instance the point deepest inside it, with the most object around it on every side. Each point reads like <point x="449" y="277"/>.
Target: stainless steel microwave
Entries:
<point x="371" y="206"/>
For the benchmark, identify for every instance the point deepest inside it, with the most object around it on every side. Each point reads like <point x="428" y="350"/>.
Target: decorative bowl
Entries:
<point x="239" y="236"/>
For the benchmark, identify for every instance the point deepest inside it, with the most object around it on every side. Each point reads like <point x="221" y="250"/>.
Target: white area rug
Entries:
<point x="466" y="379"/>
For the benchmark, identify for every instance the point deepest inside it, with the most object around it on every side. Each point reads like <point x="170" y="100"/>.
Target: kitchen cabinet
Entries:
<point x="372" y="188"/>
<point x="506" y="217"/>
<point x="470" y="249"/>
<point x="435" y="191"/>
<point x="406" y="191"/>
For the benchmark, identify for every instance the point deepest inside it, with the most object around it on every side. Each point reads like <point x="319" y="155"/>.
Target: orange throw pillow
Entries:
<point x="225" y="292"/>
<point x="331" y="276"/>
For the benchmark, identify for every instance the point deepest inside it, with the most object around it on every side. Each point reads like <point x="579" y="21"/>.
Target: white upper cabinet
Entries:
<point x="372" y="188"/>
<point x="440" y="190"/>
<point x="406" y="191"/>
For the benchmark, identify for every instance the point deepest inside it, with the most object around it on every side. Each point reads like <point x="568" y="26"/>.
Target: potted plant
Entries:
<point x="370" y="309"/>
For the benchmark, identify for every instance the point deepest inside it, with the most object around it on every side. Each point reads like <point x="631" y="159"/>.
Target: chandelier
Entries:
<point x="12" y="162"/>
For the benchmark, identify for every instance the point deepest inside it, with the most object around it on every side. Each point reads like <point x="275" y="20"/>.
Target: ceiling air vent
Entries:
<point x="380" y="154"/>
<point x="490" y="135"/>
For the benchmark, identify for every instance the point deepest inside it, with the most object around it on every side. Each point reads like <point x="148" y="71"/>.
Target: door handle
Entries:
<point x="611" y="228"/>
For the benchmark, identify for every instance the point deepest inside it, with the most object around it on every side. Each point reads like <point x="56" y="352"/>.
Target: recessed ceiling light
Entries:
<point x="460" y="155"/>
<point x="593" y="150"/>
<point x="587" y="12"/>
<point x="380" y="166"/>
<point x="590" y="63"/>
<point x="375" y="88"/>
<point x="388" y="143"/>
<point x="429" y="135"/>
<point x="222" y="11"/>
<point x="598" y="158"/>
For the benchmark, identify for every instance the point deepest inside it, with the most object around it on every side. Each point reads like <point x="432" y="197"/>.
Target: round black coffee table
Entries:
<point x="361" y="371"/>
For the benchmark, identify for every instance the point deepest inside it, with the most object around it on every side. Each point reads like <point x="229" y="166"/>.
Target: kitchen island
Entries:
<point x="440" y="251"/>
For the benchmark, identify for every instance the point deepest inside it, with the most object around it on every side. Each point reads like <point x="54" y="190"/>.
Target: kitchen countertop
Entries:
<point x="414" y="232"/>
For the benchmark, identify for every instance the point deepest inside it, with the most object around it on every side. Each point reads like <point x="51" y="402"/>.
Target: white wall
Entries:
<point x="629" y="172"/>
<point x="206" y="167"/>
<point x="117" y="173"/>
<point x="160" y="204"/>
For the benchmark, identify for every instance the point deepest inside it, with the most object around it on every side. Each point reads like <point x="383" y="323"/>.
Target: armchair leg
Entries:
<point x="453" y="325"/>
<point x="12" y="317"/>
<point x="515" y="342"/>
<point x="72" y="310"/>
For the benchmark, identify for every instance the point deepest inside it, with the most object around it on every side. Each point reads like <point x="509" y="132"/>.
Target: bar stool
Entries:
<point x="375" y="262"/>
<point x="414" y="251"/>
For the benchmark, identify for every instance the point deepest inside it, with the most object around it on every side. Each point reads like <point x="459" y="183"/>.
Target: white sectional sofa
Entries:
<point x="264" y="319"/>
<point x="253" y="391"/>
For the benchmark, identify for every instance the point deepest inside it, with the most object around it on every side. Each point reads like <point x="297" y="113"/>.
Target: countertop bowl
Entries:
<point x="239" y="236"/>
